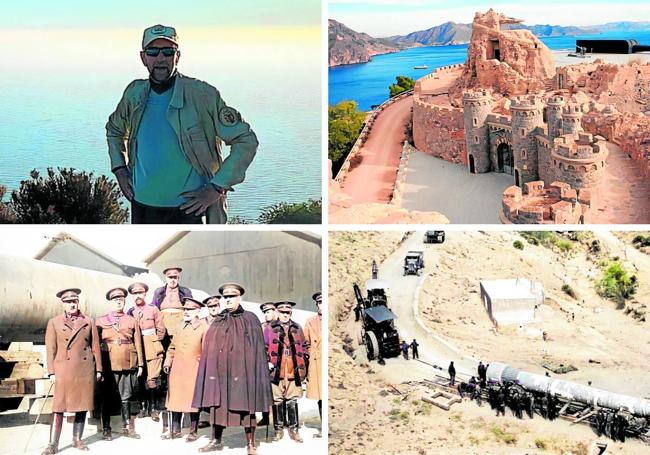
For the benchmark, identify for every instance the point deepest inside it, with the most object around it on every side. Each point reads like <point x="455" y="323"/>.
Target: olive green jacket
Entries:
<point x="201" y="120"/>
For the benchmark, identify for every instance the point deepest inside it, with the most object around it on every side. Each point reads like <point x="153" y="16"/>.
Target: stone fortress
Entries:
<point x="508" y="109"/>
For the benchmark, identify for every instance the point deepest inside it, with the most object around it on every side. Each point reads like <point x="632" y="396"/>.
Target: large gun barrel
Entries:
<point x="504" y="373"/>
<point x="358" y="295"/>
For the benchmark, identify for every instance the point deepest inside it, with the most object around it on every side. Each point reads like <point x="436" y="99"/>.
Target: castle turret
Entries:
<point x="527" y="116"/>
<point x="571" y="120"/>
<point x="477" y="104"/>
<point x="554" y="108"/>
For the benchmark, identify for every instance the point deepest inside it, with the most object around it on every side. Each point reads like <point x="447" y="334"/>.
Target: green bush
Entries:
<point x="548" y="239"/>
<point x="403" y="84"/>
<point x="641" y="241"/>
<point x="617" y="284"/>
<point x="345" y="124"/>
<point x="299" y="213"/>
<point x="66" y="196"/>
<point x="518" y="244"/>
<point x="502" y="435"/>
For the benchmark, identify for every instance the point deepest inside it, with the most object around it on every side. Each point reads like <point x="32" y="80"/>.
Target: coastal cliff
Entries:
<point x="347" y="46"/>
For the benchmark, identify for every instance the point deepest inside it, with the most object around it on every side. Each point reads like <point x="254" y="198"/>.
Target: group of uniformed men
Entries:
<point x="226" y="364"/>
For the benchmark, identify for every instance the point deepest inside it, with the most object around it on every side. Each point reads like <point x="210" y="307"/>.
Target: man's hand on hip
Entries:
<point x="125" y="181"/>
<point x="199" y="201"/>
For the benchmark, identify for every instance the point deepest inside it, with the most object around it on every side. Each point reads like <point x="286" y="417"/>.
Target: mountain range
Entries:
<point x="347" y="46"/>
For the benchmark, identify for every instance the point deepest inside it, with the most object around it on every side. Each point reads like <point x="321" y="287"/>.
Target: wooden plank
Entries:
<point x="20" y="356"/>
<point x="27" y="370"/>
<point x="589" y="414"/>
<point x="21" y="346"/>
<point x="11" y="387"/>
<point x="564" y="408"/>
<point x="435" y="403"/>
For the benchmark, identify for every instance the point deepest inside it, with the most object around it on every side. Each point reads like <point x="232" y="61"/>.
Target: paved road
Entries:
<point x="433" y="184"/>
<point x="374" y="179"/>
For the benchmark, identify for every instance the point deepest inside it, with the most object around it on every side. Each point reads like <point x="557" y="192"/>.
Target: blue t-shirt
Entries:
<point x="161" y="171"/>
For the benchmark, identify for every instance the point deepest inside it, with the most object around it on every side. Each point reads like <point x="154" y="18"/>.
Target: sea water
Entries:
<point x="367" y="83"/>
<point x="57" y="91"/>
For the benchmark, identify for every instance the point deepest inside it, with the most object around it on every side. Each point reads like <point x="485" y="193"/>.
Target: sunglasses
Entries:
<point x="154" y="51"/>
<point x="213" y="306"/>
<point x="285" y="312"/>
<point x="117" y="298"/>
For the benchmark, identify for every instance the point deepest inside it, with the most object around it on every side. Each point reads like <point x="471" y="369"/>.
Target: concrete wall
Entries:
<point x="513" y="311"/>
<point x="271" y="266"/>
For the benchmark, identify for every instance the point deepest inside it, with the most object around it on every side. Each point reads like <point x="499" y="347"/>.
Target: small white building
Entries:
<point x="511" y="301"/>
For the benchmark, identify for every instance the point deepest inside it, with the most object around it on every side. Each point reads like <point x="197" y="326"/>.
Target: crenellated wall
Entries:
<point x="438" y="131"/>
<point x="536" y="204"/>
<point x="579" y="162"/>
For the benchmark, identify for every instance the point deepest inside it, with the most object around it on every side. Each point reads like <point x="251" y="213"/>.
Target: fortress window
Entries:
<point x="475" y="121"/>
<point x="523" y="132"/>
<point x="523" y="154"/>
<point x="476" y="139"/>
<point x="496" y="53"/>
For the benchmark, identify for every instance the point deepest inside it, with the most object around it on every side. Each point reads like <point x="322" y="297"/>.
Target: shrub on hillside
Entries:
<point x="66" y="196"/>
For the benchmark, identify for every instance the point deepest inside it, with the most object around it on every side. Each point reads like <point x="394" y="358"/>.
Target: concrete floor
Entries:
<point x="15" y="433"/>
<point x="433" y="184"/>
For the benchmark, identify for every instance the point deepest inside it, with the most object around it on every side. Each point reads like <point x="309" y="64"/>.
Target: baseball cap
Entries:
<point x="159" y="31"/>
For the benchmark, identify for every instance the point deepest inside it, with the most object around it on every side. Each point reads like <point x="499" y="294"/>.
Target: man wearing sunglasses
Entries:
<point x="164" y="141"/>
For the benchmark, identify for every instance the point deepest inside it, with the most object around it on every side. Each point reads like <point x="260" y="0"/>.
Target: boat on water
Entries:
<point x="420" y="67"/>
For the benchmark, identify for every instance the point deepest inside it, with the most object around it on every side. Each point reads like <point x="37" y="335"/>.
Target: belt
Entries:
<point x="172" y="310"/>
<point x="118" y="341"/>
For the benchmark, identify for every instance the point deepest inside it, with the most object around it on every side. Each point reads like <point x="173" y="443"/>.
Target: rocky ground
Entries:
<point x="377" y="409"/>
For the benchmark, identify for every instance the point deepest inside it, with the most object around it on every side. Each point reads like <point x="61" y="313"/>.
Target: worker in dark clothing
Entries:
<point x="452" y="374"/>
<point x="482" y="377"/>
<point x="501" y="402"/>
<point x="414" y="349"/>
<point x="357" y="313"/>
<point x="405" y="350"/>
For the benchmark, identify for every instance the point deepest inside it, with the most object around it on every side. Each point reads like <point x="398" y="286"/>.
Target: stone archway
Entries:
<point x="505" y="160"/>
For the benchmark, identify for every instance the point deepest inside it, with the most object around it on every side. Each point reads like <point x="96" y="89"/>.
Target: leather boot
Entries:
<point x="155" y="415"/>
<point x="127" y="423"/>
<point x="250" y="441"/>
<point x="55" y="434"/>
<point x="143" y="410"/>
<point x="215" y="443"/>
<point x="132" y="433"/>
<point x="107" y="435"/>
<point x="320" y="413"/>
<point x="194" y="426"/>
<point x="175" y="427"/>
<point x="264" y="421"/>
<point x="292" y="420"/>
<point x="78" y="430"/>
<point x="278" y="420"/>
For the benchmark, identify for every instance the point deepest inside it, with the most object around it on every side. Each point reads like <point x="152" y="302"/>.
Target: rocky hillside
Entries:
<point x="444" y="34"/>
<point x="347" y="46"/>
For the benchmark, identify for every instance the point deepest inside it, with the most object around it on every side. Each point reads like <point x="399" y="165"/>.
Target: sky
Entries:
<point x="141" y="13"/>
<point x="381" y="18"/>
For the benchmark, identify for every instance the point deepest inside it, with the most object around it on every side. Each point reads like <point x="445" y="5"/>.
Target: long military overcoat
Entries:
<point x="313" y="336"/>
<point x="183" y="358"/>
<point x="233" y="371"/>
<point x="73" y="356"/>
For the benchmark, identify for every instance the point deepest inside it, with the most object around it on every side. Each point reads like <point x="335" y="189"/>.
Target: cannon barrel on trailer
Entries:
<point x="504" y="373"/>
<point x="28" y="294"/>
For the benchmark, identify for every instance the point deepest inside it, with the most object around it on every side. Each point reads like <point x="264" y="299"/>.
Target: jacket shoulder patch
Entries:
<point x="228" y="116"/>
